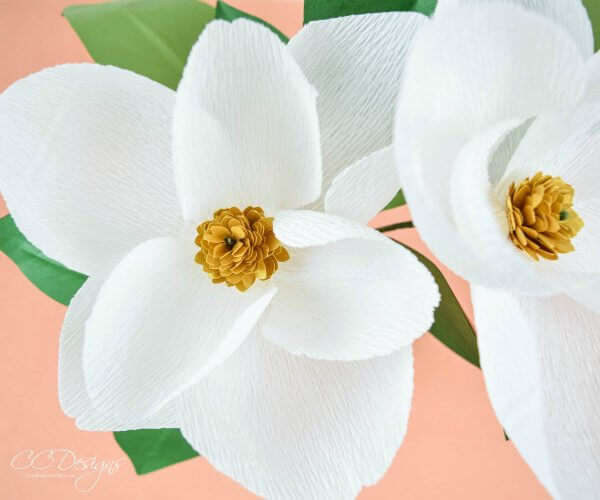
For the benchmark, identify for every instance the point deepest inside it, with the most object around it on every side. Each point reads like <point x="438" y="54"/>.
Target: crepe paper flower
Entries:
<point x="498" y="146"/>
<point x="277" y="338"/>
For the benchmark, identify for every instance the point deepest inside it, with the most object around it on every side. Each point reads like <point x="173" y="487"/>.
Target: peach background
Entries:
<point x="454" y="447"/>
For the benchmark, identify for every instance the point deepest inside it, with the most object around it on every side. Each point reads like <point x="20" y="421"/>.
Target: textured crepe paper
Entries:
<point x="451" y="389"/>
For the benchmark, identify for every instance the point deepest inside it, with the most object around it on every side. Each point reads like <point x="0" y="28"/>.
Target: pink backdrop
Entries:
<point x="454" y="447"/>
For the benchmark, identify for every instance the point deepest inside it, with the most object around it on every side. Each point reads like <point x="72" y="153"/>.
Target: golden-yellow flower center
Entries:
<point x="541" y="218"/>
<point x="236" y="247"/>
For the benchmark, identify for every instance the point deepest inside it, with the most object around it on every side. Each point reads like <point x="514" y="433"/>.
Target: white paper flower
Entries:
<point x="300" y="386"/>
<point x="495" y="92"/>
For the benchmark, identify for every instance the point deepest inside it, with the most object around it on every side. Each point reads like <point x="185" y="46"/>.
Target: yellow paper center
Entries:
<point x="541" y="218"/>
<point x="236" y="247"/>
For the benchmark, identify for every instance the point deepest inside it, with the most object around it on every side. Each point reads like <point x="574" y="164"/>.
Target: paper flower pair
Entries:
<point x="260" y="173"/>
<point x="299" y="386"/>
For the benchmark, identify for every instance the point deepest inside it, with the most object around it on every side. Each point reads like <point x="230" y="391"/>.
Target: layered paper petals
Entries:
<point x="292" y="427"/>
<point x="562" y="144"/>
<point x="72" y="391"/>
<point x="356" y="63"/>
<point x="497" y="63"/>
<point x="85" y="162"/>
<point x="571" y="15"/>
<point x="158" y="325"/>
<point x="479" y="212"/>
<point x="567" y="145"/>
<point x="587" y="292"/>
<point x="346" y="298"/>
<point x="540" y="361"/>
<point x="246" y="130"/>
<point x="360" y="191"/>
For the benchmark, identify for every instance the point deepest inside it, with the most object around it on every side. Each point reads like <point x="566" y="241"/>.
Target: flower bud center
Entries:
<point x="541" y="218"/>
<point x="236" y="247"/>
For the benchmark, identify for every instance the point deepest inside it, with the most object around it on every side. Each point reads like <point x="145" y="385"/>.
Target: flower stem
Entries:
<point x="393" y="227"/>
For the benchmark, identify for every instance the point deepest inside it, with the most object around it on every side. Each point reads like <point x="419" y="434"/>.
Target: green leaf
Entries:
<point x="450" y="325"/>
<point x="426" y="7"/>
<point x="327" y="9"/>
<point x="153" y="449"/>
<point x="150" y="37"/>
<point x="229" y="13"/>
<point x="593" y="8"/>
<point x="52" y="278"/>
<point x="397" y="201"/>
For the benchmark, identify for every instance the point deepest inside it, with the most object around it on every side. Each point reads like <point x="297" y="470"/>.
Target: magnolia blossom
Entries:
<point x="498" y="147"/>
<point x="277" y="338"/>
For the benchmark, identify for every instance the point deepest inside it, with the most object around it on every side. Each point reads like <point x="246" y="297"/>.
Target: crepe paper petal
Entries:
<point x="592" y="73"/>
<point x="243" y="94"/>
<point x="570" y="15"/>
<point x="85" y="162"/>
<point x="497" y="63"/>
<point x="566" y="144"/>
<point x="539" y="358"/>
<point x="362" y="190"/>
<point x="311" y="429"/>
<point x="152" y="38"/>
<point x="308" y="228"/>
<point x="479" y="210"/>
<point x="157" y="310"/>
<point x="72" y="391"/>
<point x="356" y="64"/>
<point x="349" y="295"/>
<point x="587" y="292"/>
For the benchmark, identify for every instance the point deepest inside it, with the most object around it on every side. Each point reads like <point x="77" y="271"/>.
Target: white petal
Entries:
<point x="571" y="15"/>
<point x="489" y="256"/>
<point x="85" y="162"/>
<point x="290" y="427"/>
<point x="307" y="228"/>
<point x="567" y="144"/>
<point x="360" y="191"/>
<point x="349" y="299"/>
<point x="72" y="391"/>
<point x="479" y="209"/>
<point x="496" y="62"/>
<point x="356" y="64"/>
<point x="246" y="129"/>
<point x="540" y="362"/>
<point x="592" y="68"/>
<point x="587" y="292"/>
<point x="159" y="324"/>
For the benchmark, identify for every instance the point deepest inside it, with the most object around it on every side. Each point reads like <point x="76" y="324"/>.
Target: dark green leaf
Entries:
<point x="229" y="13"/>
<point x="153" y="449"/>
<point x="451" y="325"/>
<point x="52" y="278"/>
<point x="593" y="8"/>
<point x="397" y="201"/>
<point x="326" y="9"/>
<point x="150" y="37"/>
